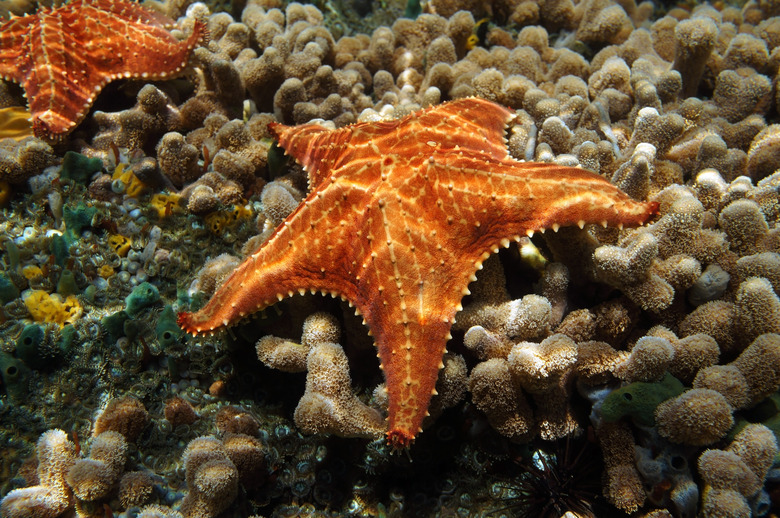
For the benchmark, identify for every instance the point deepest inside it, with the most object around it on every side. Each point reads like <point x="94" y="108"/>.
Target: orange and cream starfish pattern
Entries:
<point x="63" y="57"/>
<point x="400" y="216"/>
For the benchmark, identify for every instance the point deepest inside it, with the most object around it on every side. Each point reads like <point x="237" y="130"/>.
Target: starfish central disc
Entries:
<point x="400" y="216"/>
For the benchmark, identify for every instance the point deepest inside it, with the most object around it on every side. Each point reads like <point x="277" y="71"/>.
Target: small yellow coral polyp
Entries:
<point x="220" y="220"/>
<point x="217" y="222"/>
<point x="240" y="211"/>
<point x="52" y="308"/>
<point x="106" y="271"/>
<point x="15" y="123"/>
<point x="473" y="39"/>
<point x="133" y="186"/>
<point x="531" y="255"/>
<point x="32" y="271"/>
<point x="166" y="204"/>
<point x="119" y="244"/>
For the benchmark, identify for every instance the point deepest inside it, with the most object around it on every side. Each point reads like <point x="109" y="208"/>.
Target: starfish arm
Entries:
<point x="574" y="196"/>
<point x="322" y="151"/>
<point x="461" y="124"/>
<point x="410" y="350"/>
<point x="59" y="87"/>
<point x="308" y="252"/>
<point x="131" y="11"/>
<point x="313" y="146"/>
<point x="409" y="291"/>
<point x="154" y="53"/>
<point x="411" y="327"/>
<point x="531" y="197"/>
<point x="465" y="124"/>
<point x="15" y="59"/>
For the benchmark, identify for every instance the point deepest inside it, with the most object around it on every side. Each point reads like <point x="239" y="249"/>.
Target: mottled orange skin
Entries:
<point x="400" y="216"/>
<point x="63" y="57"/>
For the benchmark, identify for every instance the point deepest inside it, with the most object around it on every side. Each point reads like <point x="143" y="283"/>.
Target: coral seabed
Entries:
<point x="593" y="371"/>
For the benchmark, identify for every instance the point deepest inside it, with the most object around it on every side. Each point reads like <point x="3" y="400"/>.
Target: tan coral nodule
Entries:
<point x="697" y="417"/>
<point x="94" y="477"/>
<point x="126" y="415"/>
<point x="52" y="496"/>
<point x="494" y="393"/>
<point x="135" y="489"/>
<point x="329" y="405"/>
<point x="232" y="419"/>
<point x="212" y="479"/>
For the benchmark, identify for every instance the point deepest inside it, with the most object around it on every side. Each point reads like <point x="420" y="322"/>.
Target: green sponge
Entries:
<point x="28" y="345"/>
<point x="639" y="400"/>
<point x="77" y="218"/>
<point x="8" y="291"/>
<point x="168" y="332"/>
<point x="143" y="296"/>
<point x="114" y="325"/>
<point x="67" y="283"/>
<point x="67" y="336"/>
<point x="16" y="377"/>
<point x="59" y="249"/>
<point x="37" y="352"/>
<point x="78" y="167"/>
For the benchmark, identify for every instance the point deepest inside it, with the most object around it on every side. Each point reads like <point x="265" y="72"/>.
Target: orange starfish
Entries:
<point x="400" y="216"/>
<point x="63" y="57"/>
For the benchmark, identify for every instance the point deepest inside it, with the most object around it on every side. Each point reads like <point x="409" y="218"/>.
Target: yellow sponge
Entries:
<point x="52" y="308"/>
<point x="166" y="204"/>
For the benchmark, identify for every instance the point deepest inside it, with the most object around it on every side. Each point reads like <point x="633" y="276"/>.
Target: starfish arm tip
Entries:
<point x="399" y="439"/>
<point x="652" y="209"/>
<point x="184" y="321"/>
<point x="276" y="128"/>
<point x="200" y="35"/>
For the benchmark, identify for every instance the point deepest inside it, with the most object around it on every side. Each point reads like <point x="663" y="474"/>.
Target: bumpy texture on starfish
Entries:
<point x="400" y="216"/>
<point x="63" y="57"/>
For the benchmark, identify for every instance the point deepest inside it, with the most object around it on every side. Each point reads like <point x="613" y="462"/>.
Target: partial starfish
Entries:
<point x="63" y="57"/>
<point x="400" y="216"/>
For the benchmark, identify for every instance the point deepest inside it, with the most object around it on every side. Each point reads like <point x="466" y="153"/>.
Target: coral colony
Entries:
<point x="554" y="222"/>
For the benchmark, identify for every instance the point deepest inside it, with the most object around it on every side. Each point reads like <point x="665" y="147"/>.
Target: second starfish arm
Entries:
<point x="305" y="253"/>
<point x="410" y="291"/>
<point x="15" y="60"/>
<point x="534" y="196"/>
